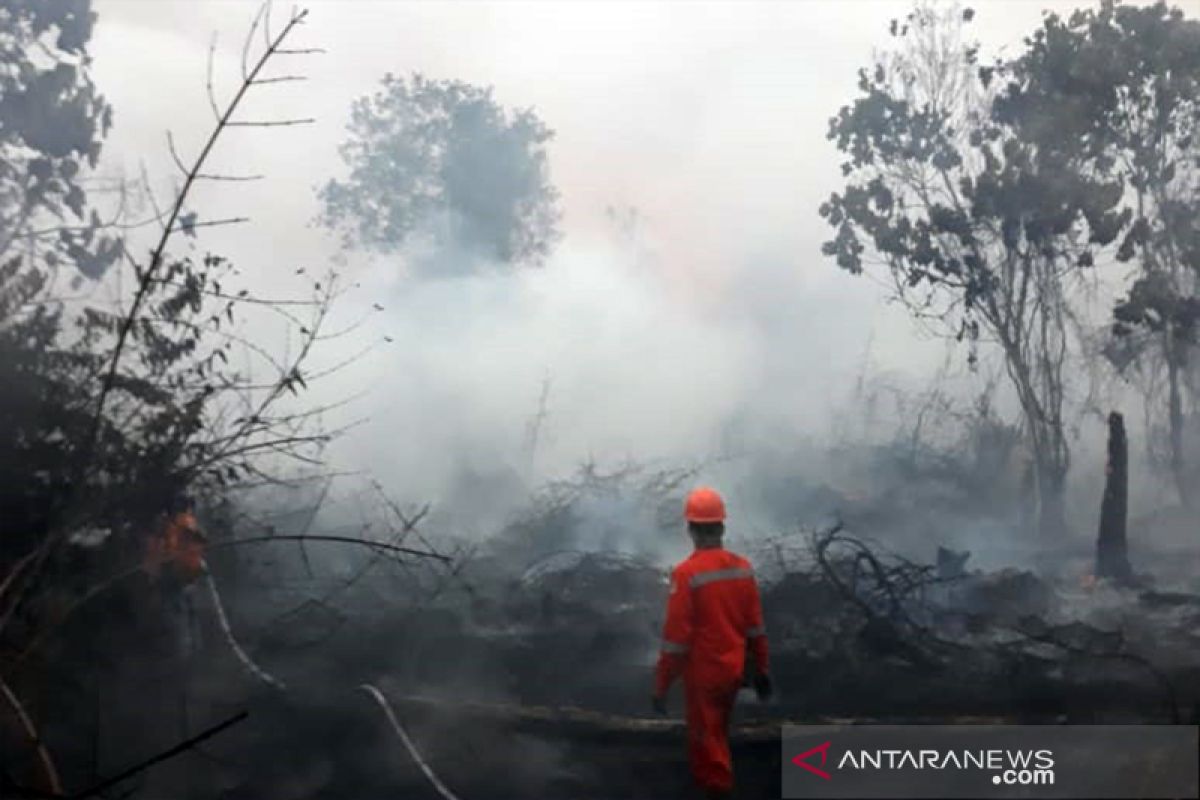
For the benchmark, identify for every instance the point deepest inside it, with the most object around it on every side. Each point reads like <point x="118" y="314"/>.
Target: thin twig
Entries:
<point x="266" y="27"/>
<point x="212" y="97"/>
<point x="52" y="778"/>
<point x="183" y="746"/>
<point x="247" y="298"/>
<point x="325" y="538"/>
<point x="271" y="123"/>
<point x="212" y="223"/>
<point x="280" y="79"/>
<point x="16" y="570"/>
<point x="175" y="153"/>
<point x="308" y="524"/>
<point x="262" y="9"/>
<point x="157" y="254"/>
<point x="212" y="177"/>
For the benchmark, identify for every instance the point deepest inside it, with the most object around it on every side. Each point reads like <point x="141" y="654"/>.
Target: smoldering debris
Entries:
<point x="868" y="632"/>
<point x="519" y="655"/>
<point x="903" y="637"/>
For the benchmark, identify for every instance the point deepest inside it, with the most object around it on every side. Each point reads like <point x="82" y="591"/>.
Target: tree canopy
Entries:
<point x="442" y="158"/>
<point x="978" y="225"/>
<point x="52" y="123"/>
<point x="1116" y="90"/>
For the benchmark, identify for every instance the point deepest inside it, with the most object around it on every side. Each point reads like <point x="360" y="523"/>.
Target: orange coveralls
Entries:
<point x="180" y="544"/>
<point x="713" y="613"/>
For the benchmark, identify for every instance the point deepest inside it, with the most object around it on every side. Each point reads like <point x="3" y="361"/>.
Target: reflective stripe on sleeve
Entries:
<point x="752" y="633"/>
<point x="673" y="647"/>
<point x="733" y="573"/>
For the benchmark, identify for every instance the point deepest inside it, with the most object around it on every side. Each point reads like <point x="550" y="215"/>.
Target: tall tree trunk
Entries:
<point x="1175" y="418"/>
<point x="1029" y="494"/>
<point x="1052" y="511"/>
<point x="1051" y="456"/>
<point x="1112" y="553"/>
<point x="1049" y="478"/>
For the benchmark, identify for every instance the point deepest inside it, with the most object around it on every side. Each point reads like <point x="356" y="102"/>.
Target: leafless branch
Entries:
<point x="212" y="177"/>
<point x="212" y="223"/>
<point x="409" y="551"/>
<point x="170" y="227"/>
<point x="258" y="17"/>
<point x="130" y="315"/>
<point x="208" y="85"/>
<point x="183" y="746"/>
<point x="266" y="27"/>
<point x="175" y="153"/>
<point x="280" y="123"/>
<point x="16" y="571"/>
<point x="246" y="298"/>
<point x="52" y="779"/>
<point x="280" y="79"/>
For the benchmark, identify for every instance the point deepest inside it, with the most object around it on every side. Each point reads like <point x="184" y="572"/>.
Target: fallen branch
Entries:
<point x="183" y="746"/>
<point x="580" y="724"/>
<point x="1036" y="630"/>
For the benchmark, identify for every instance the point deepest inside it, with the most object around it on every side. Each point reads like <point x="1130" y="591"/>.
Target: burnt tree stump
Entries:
<point x="1112" y="552"/>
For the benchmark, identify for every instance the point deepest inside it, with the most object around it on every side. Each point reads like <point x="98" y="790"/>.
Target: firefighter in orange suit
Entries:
<point x="713" y="618"/>
<point x="174" y="559"/>
<point x="178" y="546"/>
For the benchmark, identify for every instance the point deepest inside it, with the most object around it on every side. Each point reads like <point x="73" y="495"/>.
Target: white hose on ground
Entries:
<point x="408" y="744"/>
<point x="249" y="664"/>
<point x="269" y="679"/>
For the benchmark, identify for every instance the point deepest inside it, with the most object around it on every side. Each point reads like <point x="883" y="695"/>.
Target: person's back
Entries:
<point x="724" y="598"/>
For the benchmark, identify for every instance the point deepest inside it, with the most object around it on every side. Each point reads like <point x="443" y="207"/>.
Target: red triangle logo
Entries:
<point x="801" y="760"/>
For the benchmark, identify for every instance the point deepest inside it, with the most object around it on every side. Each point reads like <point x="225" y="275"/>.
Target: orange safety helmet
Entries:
<point x="704" y="505"/>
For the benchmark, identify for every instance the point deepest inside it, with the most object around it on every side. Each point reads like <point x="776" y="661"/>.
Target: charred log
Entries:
<point x="1112" y="555"/>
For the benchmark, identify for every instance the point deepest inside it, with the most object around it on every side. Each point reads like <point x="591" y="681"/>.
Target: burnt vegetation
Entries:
<point x="383" y="649"/>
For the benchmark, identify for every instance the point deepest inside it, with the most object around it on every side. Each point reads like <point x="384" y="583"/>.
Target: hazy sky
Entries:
<point x="709" y="118"/>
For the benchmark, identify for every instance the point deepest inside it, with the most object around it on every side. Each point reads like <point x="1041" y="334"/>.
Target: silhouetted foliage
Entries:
<point x="112" y="409"/>
<point x="1117" y="90"/>
<point x="442" y="158"/>
<point x="52" y="122"/>
<point x="978" y="226"/>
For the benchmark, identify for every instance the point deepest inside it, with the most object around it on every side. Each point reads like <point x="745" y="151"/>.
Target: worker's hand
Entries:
<point x="763" y="687"/>
<point x="659" y="703"/>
